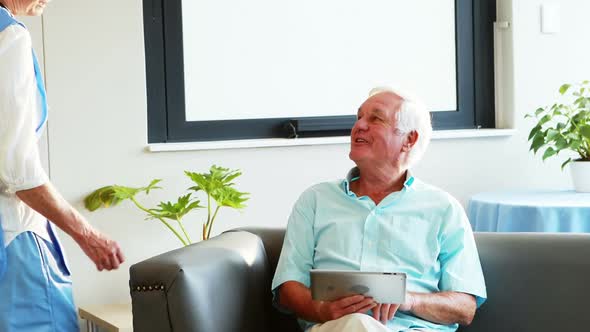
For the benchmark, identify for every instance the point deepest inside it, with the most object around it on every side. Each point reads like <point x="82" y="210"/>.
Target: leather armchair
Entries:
<point x="535" y="281"/>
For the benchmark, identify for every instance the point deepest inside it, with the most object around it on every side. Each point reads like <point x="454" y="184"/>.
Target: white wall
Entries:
<point x="96" y="79"/>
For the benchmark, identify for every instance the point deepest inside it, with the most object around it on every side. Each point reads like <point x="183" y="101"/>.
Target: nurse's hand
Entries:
<point x="46" y="200"/>
<point x="104" y="252"/>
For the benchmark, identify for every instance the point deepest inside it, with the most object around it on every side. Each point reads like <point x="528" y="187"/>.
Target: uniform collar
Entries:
<point x="354" y="174"/>
<point x="6" y="9"/>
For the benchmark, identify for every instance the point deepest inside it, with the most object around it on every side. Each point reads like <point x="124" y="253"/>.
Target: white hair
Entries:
<point x="412" y="115"/>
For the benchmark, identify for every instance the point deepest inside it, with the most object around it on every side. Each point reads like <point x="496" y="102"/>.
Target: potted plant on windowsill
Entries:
<point x="217" y="185"/>
<point x="566" y="127"/>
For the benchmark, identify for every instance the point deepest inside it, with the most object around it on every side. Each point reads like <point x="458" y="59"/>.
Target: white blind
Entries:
<point x="291" y="58"/>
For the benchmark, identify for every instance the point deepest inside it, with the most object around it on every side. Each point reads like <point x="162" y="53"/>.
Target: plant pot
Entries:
<point x="581" y="175"/>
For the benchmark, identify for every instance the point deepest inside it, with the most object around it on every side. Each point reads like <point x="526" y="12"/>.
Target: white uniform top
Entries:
<point x="20" y="114"/>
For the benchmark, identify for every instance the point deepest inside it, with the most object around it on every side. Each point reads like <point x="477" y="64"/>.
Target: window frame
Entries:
<point x="166" y="92"/>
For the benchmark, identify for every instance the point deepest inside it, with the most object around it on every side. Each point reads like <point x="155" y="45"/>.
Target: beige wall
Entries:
<point x="97" y="134"/>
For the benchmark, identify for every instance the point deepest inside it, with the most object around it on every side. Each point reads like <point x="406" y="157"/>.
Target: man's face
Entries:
<point x="375" y="139"/>
<point x="34" y="7"/>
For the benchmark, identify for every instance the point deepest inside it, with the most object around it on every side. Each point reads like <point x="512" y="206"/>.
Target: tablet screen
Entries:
<point x="383" y="287"/>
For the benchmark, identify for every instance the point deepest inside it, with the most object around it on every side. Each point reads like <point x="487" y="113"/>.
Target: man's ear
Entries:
<point x="409" y="141"/>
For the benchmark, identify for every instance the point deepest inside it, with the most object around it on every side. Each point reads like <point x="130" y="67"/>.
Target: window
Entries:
<point x="190" y="60"/>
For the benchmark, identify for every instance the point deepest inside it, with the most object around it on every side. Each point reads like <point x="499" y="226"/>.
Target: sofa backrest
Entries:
<point x="535" y="281"/>
<point x="217" y="285"/>
<point x="272" y="240"/>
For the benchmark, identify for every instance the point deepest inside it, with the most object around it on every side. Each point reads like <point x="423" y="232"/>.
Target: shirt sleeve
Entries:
<point x="296" y="257"/>
<point x="20" y="164"/>
<point x="460" y="266"/>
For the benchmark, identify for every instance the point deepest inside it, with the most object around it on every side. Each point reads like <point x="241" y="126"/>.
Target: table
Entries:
<point x="109" y="317"/>
<point x="530" y="211"/>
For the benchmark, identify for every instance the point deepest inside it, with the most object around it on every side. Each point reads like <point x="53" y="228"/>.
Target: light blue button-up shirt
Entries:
<point x="421" y="231"/>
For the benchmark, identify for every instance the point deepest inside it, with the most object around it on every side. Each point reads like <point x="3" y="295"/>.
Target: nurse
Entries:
<point x="35" y="284"/>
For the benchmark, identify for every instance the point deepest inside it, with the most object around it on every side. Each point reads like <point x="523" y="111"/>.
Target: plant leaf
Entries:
<point x="575" y="145"/>
<point x="546" y="118"/>
<point x="101" y="197"/>
<point x="581" y="116"/>
<point x="175" y="211"/>
<point x="585" y="131"/>
<point x="534" y="131"/>
<point x="549" y="152"/>
<point x="112" y="195"/>
<point x="563" y="89"/>
<point x="218" y="184"/>
<point x="152" y="185"/>
<point x="230" y="197"/>
<point x="538" y="141"/>
<point x="572" y="136"/>
<point x="552" y="134"/>
<point x="560" y="143"/>
<point x="565" y="163"/>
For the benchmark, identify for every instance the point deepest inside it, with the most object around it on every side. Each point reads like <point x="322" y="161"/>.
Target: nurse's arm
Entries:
<point x="104" y="252"/>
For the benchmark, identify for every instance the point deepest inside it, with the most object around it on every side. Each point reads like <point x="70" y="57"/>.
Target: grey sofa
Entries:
<point x="536" y="282"/>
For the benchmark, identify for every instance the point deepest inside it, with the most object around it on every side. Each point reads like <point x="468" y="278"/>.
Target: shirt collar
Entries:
<point x="355" y="174"/>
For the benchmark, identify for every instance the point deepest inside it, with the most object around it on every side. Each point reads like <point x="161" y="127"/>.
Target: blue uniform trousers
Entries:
<point x="36" y="290"/>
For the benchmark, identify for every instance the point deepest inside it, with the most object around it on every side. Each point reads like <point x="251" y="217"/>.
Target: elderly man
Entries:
<point x="381" y="218"/>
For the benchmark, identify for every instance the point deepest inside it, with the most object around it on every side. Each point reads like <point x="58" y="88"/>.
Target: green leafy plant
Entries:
<point x="566" y="126"/>
<point x="216" y="184"/>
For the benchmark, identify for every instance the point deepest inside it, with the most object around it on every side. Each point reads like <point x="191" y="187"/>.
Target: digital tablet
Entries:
<point x="383" y="287"/>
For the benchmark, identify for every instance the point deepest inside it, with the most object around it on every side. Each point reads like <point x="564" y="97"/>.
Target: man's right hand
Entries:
<point x="330" y="310"/>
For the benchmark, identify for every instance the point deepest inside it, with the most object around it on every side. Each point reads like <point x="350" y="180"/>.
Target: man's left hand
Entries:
<point x="385" y="311"/>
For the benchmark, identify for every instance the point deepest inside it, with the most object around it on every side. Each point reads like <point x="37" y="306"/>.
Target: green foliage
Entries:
<point x="175" y="211"/>
<point x="217" y="185"/>
<point x="113" y="195"/>
<point x="561" y="127"/>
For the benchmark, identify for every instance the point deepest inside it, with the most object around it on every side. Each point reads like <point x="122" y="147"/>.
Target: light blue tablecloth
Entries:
<point x="548" y="211"/>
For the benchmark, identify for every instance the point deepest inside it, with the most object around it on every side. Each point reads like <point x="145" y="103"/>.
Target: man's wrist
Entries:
<point x="410" y="303"/>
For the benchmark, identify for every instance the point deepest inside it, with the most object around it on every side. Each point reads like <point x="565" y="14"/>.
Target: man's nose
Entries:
<point x="360" y="124"/>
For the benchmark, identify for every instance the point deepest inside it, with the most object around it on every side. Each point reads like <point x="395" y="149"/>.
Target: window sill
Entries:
<point x="275" y="142"/>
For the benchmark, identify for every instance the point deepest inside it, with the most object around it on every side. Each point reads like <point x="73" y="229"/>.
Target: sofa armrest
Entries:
<point x="217" y="285"/>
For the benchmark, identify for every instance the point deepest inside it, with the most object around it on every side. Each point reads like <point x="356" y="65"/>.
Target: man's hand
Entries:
<point x="385" y="311"/>
<point x="330" y="310"/>
<point x="104" y="252"/>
